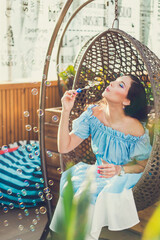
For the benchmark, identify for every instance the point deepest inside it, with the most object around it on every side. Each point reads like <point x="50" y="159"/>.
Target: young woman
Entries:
<point x="118" y="136"/>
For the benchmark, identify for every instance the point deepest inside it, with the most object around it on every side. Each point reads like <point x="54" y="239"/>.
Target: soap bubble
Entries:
<point x="47" y="83"/>
<point x="28" y="127"/>
<point x="91" y="83"/>
<point x="20" y="216"/>
<point x="46" y="190"/>
<point x="4" y="148"/>
<point x="38" y="168"/>
<point x="30" y="156"/>
<point x="49" y="153"/>
<point x="1" y="195"/>
<point x="11" y="205"/>
<point x="9" y="191"/>
<point x="34" y="202"/>
<point x="38" y="217"/>
<point x="34" y="91"/>
<point x="36" y="153"/>
<point x="24" y="192"/>
<point x="26" y="183"/>
<point x="32" y="228"/>
<point x="59" y="170"/>
<point x="21" y="205"/>
<point x="35" y="129"/>
<point x="33" y="145"/>
<point x="55" y="118"/>
<point x="21" y="227"/>
<point x="42" y="210"/>
<point x="29" y="148"/>
<point x="5" y="209"/>
<point x="49" y="196"/>
<point x="40" y="112"/>
<point x="26" y="114"/>
<point x="36" y="211"/>
<point x="6" y="223"/>
<point x="40" y="194"/>
<point x="19" y="171"/>
<point x="26" y="212"/>
<point x="20" y="200"/>
<point x="42" y="180"/>
<point x="44" y="76"/>
<point x="48" y="58"/>
<point x="34" y="221"/>
<point x="42" y="198"/>
<point x="37" y="185"/>
<point x="50" y="182"/>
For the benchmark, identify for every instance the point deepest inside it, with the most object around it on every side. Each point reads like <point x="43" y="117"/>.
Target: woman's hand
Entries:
<point x="68" y="100"/>
<point x="108" y="170"/>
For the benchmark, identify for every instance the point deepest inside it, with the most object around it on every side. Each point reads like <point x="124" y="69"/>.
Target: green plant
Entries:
<point x="67" y="77"/>
<point x="73" y="222"/>
<point x="152" y="230"/>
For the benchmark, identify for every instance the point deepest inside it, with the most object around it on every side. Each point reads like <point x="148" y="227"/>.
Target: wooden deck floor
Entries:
<point x="19" y="229"/>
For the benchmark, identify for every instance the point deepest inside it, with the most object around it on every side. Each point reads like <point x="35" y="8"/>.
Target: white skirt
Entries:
<point x="115" y="210"/>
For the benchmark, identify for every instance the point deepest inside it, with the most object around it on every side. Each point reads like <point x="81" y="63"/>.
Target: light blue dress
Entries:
<point x="114" y="194"/>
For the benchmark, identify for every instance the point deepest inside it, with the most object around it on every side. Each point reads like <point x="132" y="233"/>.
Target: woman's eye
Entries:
<point x="121" y="85"/>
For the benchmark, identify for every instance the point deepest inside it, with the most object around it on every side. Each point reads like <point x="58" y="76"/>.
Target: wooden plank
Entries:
<point x="19" y="103"/>
<point x="35" y="107"/>
<point x="50" y="112"/>
<point x="53" y="173"/>
<point x="11" y="115"/>
<point x="22" y="94"/>
<point x="51" y="130"/>
<point x="13" y="85"/>
<point x="55" y="187"/>
<point x="54" y="160"/>
<point x="13" y="105"/>
<point x="54" y="199"/>
<point x="144" y="216"/>
<point x="1" y="120"/>
<point x="8" y="117"/>
<point x="16" y="119"/>
<point x="27" y="120"/>
<point x="139" y="228"/>
<point x="51" y="144"/>
<point x="4" y="117"/>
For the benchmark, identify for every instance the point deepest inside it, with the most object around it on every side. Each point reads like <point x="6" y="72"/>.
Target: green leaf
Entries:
<point x="72" y="224"/>
<point x="68" y="198"/>
<point x="152" y="230"/>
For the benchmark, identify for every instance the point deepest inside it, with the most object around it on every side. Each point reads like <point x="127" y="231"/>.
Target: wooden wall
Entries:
<point x="15" y="98"/>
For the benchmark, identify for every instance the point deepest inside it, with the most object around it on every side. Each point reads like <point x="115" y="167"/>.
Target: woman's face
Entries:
<point x="117" y="91"/>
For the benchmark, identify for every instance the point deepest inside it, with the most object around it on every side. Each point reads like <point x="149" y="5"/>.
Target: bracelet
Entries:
<point x="122" y="172"/>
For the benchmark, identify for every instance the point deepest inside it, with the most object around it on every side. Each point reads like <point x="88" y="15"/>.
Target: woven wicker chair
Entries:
<point x="110" y="54"/>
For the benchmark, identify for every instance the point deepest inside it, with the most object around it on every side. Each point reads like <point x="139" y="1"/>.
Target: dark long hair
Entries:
<point x="138" y="102"/>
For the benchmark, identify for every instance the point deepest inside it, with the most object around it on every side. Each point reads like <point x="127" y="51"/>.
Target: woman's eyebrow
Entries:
<point x="123" y="83"/>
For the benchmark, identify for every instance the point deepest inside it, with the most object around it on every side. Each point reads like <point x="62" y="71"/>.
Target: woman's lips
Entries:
<point x="107" y="89"/>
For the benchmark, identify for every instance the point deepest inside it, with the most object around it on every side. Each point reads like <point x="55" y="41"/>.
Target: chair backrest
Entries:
<point x="109" y="55"/>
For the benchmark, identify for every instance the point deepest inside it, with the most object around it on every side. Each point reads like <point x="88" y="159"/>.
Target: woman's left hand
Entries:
<point x="108" y="170"/>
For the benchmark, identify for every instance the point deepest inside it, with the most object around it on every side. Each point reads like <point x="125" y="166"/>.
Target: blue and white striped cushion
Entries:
<point x="21" y="181"/>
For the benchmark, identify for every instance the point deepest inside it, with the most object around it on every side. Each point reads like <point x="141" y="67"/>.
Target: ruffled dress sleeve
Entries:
<point x="81" y="125"/>
<point x="142" y="148"/>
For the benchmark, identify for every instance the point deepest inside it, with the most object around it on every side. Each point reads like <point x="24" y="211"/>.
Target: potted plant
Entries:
<point x="67" y="77"/>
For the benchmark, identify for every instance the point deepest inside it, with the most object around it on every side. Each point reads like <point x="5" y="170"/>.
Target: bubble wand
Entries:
<point x="91" y="84"/>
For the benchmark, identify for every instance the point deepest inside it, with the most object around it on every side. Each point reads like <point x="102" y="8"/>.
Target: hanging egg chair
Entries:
<point x="111" y="54"/>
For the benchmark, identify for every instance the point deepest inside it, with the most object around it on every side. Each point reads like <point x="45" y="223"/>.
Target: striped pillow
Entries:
<point x="21" y="182"/>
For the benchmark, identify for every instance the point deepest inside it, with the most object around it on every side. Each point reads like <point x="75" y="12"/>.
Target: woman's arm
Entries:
<point x="67" y="141"/>
<point x="136" y="168"/>
<point x="107" y="170"/>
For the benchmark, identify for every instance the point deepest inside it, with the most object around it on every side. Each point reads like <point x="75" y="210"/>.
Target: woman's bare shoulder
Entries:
<point x="97" y="110"/>
<point x="135" y="127"/>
